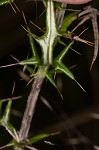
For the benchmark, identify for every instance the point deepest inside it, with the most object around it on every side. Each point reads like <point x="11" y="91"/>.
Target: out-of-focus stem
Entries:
<point x="60" y="15"/>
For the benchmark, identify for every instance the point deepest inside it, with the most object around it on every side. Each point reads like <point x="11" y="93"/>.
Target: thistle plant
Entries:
<point x="43" y="64"/>
<point x="46" y="66"/>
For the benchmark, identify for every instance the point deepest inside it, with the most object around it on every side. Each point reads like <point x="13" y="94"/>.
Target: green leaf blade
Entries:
<point x="68" y="20"/>
<point x="38" y="138"/>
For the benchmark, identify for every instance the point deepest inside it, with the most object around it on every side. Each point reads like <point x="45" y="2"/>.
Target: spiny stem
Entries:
<point x="31" y="103"/>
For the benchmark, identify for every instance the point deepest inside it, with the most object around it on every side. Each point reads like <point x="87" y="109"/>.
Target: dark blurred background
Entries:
<point x="14" y="41"/>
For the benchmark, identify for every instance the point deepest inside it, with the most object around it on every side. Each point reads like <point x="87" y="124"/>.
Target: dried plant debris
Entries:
<point x="91" y="13"/>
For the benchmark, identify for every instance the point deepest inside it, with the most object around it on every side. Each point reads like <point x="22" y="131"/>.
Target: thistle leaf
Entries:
<point x="13" y="143"/>
<point x="50" y="78"/>
<point x="6" y="116"/>
<point x="63" y="69"/>
<point x="41" y="137"/>
<point x="5" y="121"/>
<point x="68" y="20"/>
<point x="31" y="40"/>
<point x="59" y="66"/>
<point x="30" y="61"/>
<point x="38" y="138"/>
<point x="60" y="57"/>
<point x="3" y="2"/>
